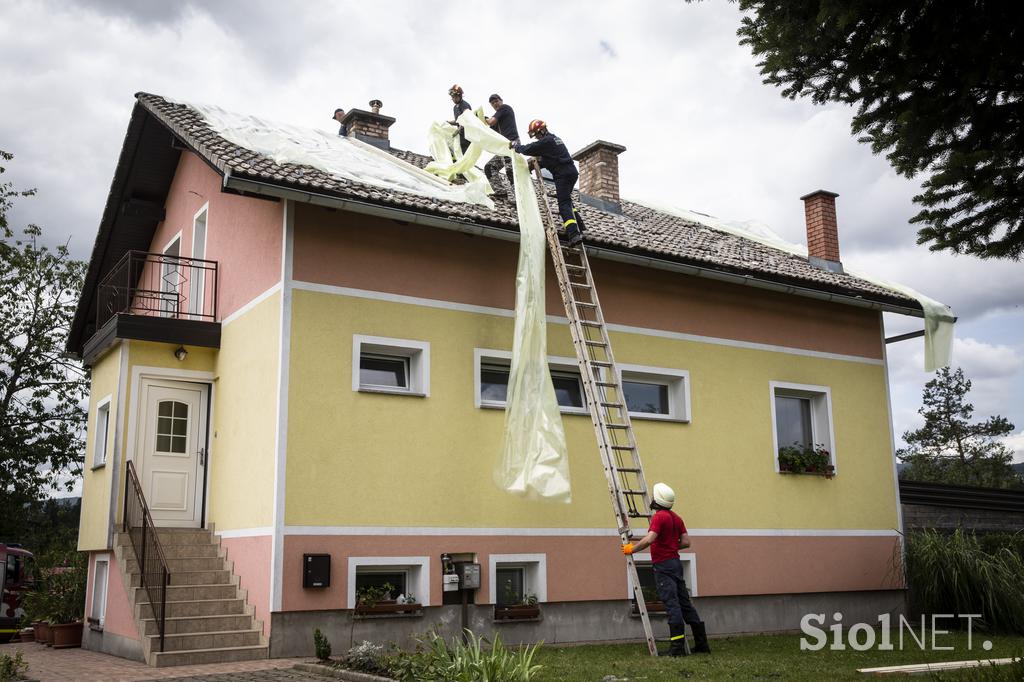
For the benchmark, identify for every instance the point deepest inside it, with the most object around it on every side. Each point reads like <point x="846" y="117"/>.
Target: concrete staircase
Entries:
<point x="208" y="618"/>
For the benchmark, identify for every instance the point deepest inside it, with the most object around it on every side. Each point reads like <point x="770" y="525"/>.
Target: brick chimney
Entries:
<point x="369" y="126"/>
<point x="599" y="175"/>
<point x="822" y="230"/>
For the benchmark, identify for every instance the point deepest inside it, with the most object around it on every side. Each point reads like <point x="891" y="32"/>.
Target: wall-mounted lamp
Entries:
<point x="180" y="353"/>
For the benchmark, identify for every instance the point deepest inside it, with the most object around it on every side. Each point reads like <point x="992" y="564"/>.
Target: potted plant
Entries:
<point x="66" y="588"/>
<point x="37" y="607"/>
<point x="377" y="600"/>
<point x="803" y="459"/>
<point x="514" y="608"/>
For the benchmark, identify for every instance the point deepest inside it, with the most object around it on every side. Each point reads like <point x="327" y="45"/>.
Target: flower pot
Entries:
<point x="518" y="612"/>
<point x="42" y="632"/>
<point x="386" y="607"/>
<point x="67" y="635"/>
<point x="28" y="635"/>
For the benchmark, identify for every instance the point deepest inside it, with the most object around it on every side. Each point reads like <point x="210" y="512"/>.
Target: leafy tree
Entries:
<point x="949" y="448"/>
<point x="937" y="86"/>
<point x="42" y="392"/>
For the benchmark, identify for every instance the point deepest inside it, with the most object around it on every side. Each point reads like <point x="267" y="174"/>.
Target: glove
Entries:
<point x="627" y="548"/>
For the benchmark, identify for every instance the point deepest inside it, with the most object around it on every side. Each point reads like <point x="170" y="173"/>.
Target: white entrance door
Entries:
<point x="171" y="450"/>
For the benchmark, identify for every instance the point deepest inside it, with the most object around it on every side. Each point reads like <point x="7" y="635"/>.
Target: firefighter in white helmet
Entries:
<point x="666" y="536"/>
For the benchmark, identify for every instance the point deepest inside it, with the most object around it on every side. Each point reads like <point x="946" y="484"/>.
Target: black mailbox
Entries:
<point x="316" y="570"/>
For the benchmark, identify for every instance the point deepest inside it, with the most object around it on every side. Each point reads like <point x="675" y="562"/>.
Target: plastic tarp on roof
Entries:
<point x="938" y="318"/>
<point x="342" y="157"/>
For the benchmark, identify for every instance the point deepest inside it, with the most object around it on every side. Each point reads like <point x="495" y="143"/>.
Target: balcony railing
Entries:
<point x="159" y="285"/>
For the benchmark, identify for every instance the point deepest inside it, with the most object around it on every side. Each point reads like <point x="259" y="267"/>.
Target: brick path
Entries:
<point x="78" y="665"/>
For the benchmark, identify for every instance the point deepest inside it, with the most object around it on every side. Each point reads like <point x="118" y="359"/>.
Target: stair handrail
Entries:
<point x="149" y="553"/>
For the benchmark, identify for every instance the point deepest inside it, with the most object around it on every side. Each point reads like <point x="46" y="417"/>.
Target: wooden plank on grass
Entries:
<point x="919" y="668"/>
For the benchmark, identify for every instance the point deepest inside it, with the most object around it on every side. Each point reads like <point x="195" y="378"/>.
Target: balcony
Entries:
<point x="156" y="297"/>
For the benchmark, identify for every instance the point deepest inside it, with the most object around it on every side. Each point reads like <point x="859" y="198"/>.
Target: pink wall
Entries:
<point x="243" y="234"/>
<point x="592" y="568"/>
<point x="252" y="563"/>
<point x="119" y="617"/>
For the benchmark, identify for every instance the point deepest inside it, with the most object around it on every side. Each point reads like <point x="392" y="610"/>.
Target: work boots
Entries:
<point x="700" y="638"/>
<point x="677" y="640"/>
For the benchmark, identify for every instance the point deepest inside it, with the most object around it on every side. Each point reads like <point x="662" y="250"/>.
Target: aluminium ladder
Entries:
<point x="603" y="389"/>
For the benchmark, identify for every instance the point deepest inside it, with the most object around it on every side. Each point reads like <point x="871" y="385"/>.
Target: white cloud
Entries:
<point x="1015" y="442"/>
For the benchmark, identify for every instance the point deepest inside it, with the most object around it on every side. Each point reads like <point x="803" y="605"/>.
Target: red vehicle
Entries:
<point x="15" y="580"/>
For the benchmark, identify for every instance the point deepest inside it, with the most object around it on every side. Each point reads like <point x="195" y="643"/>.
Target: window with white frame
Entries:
<point x="492" y="368"/>
<point x="384" y="365"/>
<point x="518" y="578"/>
<point x="802" y="433"/>
<point x="98" y="611"/>
<point x="399" y="578"/>
<point x="99" y="446"/>
<point x="197" y="283"/>
<point x="645" y="573"/>
<point x="656" y="392"/>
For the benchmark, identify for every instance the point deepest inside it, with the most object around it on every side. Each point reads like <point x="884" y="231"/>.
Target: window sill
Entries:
<point x="658" y="417"/>
<point x="819" y="474"/>
<point x="391" y="391"/>
<point x="575" y="411"/>
<point x="94" y="467"/>
<point x="516" y="614"/>
<point x="385" y="616"/>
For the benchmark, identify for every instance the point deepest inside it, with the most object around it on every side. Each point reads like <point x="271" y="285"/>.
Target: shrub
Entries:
<point x="321" y="645"/>
<point x="436" y="660"/>
<point x="366" y="657"/>
<point x="953" y="574"/>
<point x="12" y="668"/>
<point x="993" y="542"/>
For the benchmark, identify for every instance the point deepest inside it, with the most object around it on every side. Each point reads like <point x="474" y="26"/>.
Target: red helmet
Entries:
<point x="455" y="90"/>
<point x="537" y="127"/>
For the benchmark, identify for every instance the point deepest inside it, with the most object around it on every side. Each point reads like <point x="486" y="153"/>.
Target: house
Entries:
<point x="302" y="376"/>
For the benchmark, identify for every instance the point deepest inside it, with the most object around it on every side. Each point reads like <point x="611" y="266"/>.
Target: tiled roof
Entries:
<point x="638" y="230"/>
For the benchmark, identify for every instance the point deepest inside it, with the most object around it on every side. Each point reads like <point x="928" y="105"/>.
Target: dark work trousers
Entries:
<point x="563" y="192"/>
<point x="463" y="141"/>
<point x="668" y="578"/>
<point x="493" y="167"/>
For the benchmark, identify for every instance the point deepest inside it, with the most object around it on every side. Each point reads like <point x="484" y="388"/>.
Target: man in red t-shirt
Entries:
<point x="666" y="536"/>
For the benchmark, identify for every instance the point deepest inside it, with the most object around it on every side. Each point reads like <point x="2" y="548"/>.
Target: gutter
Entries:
<point x="465" y="226"/>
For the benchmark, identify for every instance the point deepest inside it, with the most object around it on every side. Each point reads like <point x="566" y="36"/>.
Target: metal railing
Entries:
<point x="159" y="285"/>
<point x="138" y="524"/>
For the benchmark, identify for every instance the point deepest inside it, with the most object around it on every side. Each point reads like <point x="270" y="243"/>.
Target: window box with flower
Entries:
<point x="803" y="459"/>
<point x="378" y="601"/>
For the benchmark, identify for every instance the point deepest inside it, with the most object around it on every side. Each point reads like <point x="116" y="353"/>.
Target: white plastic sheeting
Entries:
<point x="342" y="157"/>
<point x="938" y="318"/>
<point x="534" y="462"/>
<point x="449" y="160"/>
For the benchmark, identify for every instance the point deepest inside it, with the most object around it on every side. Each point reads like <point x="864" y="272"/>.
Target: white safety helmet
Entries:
<point x="664" y="495"/>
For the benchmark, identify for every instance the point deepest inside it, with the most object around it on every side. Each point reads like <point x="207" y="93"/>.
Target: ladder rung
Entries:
<point x="616" y="426"/>
<point x="580" y="285"/>
<point x="628" y="470"/>
<point x="600" y="363"/>
<point x="590" y="323"/>
<point x="622" y="447"/>
<point x="607" y="384"/>
<point x="595" y="343"/>
<point x="575" y="267"/>
<point x="618" y="405"/>
<point x="589" y="305"/>
<point x="633" y="492"/>
<point x="638" y="515"/>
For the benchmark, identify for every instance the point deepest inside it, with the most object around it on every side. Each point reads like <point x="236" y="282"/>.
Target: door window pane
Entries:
<point x="509" y="584"/>
<point x="645" y="397"/>
<point x="172" y="426"/>
<point x="375" y="370"/>
<point x="793" y="421"/>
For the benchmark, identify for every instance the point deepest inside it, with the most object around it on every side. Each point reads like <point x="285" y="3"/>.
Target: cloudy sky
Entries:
<point x="669" y="81"/>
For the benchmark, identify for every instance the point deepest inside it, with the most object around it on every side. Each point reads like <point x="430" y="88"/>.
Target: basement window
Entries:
<point x="390" y="582"/>
<point x="648" y="585"/>
<point x="518" y="586"/>
<point x="492" y="368"/>
<point x="385" y="365"/>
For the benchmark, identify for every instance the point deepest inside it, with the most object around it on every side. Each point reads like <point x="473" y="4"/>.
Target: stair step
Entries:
<point x="217" y="639"/>
<point x="197" y="607"/>
<point x="193" y="592"/>
<point x="219" y="577"/>
<point x="182" y="563"/>
<point x="186" y="624"/>
<point x="198" y="656"/>
<point x="181" y="551"/>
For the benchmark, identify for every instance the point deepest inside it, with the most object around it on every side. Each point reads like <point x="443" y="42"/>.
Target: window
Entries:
<point x="492" y="374"/>
<point x="516" y="577"/>
<point x="98" y="612"/>
<point x="170" y="278"/>
<point x="99" y="447"/>
<point x="408" y="576"/>
<point x="801" y="419"/>
<point x="197" y="285"/>
<point x="382" y="365"/>
<point x="656" y="392"/>
<point x="172" y="427"/>
<point x="645" y="573"/>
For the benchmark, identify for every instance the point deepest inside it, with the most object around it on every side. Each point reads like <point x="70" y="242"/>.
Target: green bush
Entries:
<point x="321" y="645"/>
<point x="438" y="660"/>
<point x="366" y="657"/>
<point x="953" y="574"/>
<point x="12" y="667"/>
<point x="993" y="542"/>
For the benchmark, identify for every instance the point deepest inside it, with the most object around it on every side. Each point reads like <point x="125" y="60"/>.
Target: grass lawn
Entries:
<point x="762" y="657"/>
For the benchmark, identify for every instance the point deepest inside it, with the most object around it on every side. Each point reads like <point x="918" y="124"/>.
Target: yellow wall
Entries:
<point x="368" y="459"/>
<point x="95" y="518"/>
<point x="245" y="419"/>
